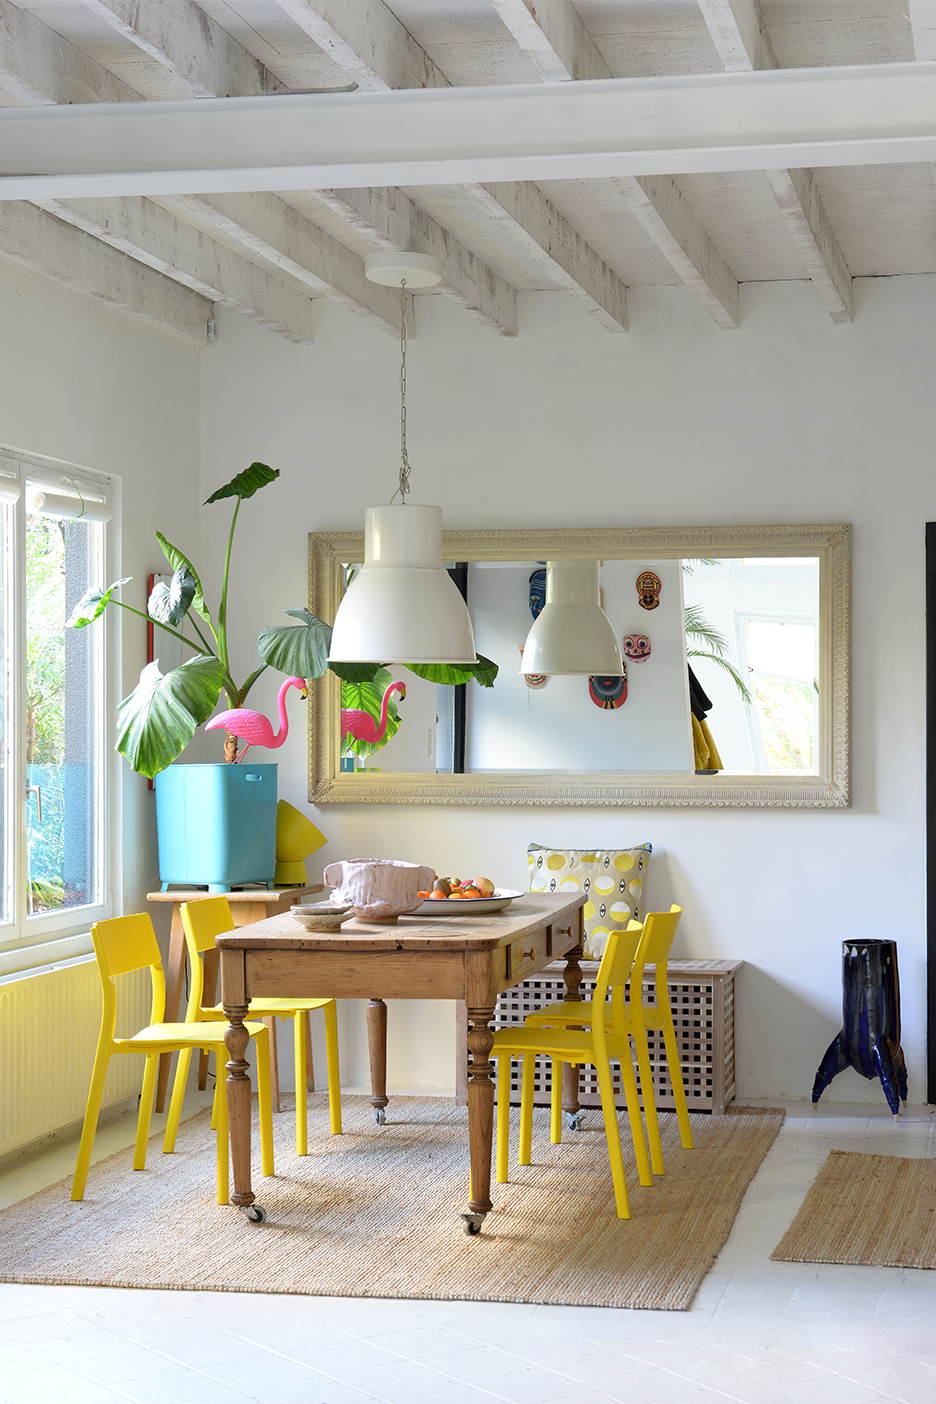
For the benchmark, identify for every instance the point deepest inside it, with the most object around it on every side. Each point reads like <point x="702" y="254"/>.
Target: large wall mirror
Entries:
<point x="768" y="614"/>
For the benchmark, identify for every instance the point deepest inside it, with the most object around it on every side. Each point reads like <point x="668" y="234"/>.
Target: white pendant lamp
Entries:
<point x="403" y="606"/>
<point x="572" y="633"/>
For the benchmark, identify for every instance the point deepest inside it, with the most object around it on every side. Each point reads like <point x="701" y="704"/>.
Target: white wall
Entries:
<point x="84" y="383"/>
<point x="789" y="419"/>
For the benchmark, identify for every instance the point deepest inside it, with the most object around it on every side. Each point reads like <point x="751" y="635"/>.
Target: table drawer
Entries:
<point x="526" y="953"/>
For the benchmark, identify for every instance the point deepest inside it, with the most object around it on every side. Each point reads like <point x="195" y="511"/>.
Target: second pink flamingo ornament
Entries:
<point x="254" y="727"/>
<point x="361" y="725"/>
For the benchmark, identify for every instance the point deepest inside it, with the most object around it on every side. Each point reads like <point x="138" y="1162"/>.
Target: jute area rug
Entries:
<point x="878" y="1210"/>
<point x="374" y="1213"/>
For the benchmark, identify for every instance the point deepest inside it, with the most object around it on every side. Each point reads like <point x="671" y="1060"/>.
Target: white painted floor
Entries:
<point x="758" y="1332"/>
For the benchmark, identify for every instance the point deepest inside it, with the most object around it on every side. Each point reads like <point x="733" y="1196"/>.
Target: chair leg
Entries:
<point x="504" y="1065"/>
<point x="526" y="1109"/>
<point x="679" y="1091"/>
<point x="147" y="1097"/>
<point x="613" y="1134"/>
<point x="555" y="1103"/>
<point x="639" y="1035"/>
<point x="310" y="1066"/>
<point x="92" y="1111"/>
<point x="629" y="1083"/>
<point x="299" y="1041"/>
<point x="178" y="1095"/>
<point x="330" y="1011"/>
<point x="265" y="1103"/>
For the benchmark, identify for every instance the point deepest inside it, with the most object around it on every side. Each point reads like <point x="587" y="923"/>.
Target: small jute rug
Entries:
<point x="374" y="1213"/>
<point x="878" y="1210"/>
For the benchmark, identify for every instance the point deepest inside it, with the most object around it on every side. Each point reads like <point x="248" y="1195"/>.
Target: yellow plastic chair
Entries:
<point x="122" y="945"/>
<point x="639" y="1016"/>
<point x="603" y="1040"/>
<point x="202" y="921"/>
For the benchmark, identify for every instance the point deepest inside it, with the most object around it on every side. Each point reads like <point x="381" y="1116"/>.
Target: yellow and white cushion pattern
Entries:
<point x="613" y="879"/>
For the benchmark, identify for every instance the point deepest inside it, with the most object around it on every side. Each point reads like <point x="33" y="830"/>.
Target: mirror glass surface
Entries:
<point x="767" y="616"/>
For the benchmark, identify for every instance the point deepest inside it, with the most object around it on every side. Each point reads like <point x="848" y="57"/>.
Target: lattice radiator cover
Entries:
<point x="702" y="999"/>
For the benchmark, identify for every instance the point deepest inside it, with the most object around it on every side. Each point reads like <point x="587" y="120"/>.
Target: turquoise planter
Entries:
<point x="216" y="825"/>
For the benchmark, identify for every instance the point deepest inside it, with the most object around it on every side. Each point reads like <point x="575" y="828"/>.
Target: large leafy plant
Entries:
<point x="161" y="715"/>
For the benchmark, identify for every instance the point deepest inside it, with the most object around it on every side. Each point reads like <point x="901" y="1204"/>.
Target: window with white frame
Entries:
<point x="54" y="762"/>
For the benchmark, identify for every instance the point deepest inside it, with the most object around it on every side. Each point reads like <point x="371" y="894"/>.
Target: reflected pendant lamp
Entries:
<point x="572" y="634"/>
<point x="402" y="606"/>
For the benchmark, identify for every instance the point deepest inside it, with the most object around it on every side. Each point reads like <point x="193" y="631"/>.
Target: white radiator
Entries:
<point x="49" y="1026"/>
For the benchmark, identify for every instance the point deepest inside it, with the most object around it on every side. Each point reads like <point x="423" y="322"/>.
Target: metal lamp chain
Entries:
<point x="404" y="487"/>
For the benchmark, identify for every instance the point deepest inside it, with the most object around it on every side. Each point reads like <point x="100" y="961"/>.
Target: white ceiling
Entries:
<point x="269" y="252"/>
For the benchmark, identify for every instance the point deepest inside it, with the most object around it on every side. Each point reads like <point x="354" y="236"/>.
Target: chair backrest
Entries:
<point x="613" y="974"/>
<point x="654" y="949"/>
<point x="202" y="921"/>
<point x="121" y="945"/>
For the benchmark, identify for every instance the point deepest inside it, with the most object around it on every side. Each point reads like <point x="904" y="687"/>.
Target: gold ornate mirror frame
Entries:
<point x="827" y="788"/>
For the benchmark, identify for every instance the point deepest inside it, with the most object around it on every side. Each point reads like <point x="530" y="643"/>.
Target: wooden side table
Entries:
<point x="247" y="907"/>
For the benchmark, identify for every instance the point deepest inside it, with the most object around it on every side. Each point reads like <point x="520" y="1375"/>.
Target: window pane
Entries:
<point x="62" y="667"/>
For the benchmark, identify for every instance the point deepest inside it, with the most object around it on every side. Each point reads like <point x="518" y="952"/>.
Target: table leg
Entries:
<point x="236" y="1039"/>
<point x="175" y="969"/>
<point x="377" y="1051"/>
<point x="572" y="975"/>
<point x="480" y="1114"/>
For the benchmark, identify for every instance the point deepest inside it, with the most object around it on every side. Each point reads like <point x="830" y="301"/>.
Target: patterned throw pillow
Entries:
<point x="612" y="877"/>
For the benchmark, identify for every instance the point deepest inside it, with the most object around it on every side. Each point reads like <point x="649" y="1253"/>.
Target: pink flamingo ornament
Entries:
<point x="254" y="727"/>
<point x="361" y="725"/>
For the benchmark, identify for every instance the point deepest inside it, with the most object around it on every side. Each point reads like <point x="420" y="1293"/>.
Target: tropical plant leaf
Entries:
<point x="179" y="562"/>
<point x="169" y="604"/>
<point x="246" y="484"/>
<point x="484" y="672"/>
<point x="699" y="627"/>
<point x="355" y="672"/>
<point x="728" y="668"/>
<point x="93" y="604"/>
<point x="159" y="718"/>
<point x="300" y="650"/>
<point x="368" y="697"/>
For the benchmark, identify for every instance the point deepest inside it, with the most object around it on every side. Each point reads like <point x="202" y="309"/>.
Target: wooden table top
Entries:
<point x="530" y="912"/>
<point x="256" y="894"/>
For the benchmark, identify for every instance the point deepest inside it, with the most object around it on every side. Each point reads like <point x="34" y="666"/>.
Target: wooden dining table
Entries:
<point x="471" y="958"/>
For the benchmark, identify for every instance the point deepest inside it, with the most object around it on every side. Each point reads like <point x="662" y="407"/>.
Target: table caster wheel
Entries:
<point x="472" y="1223"/>
<point x="574" y="1121"/>
<point x="254" y="1213"/>
<point x="380" y="1115"/>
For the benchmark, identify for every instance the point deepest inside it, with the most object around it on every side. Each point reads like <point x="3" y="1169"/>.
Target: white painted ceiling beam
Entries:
<point x="184" y="42"/>
<point x="740" y="35"/>
<point x="394" y="222"/>
<point x="554" y="39"/>
<point x="556" y="30"/>
<point x="187" y="43"/>
<point x="40" y="68"/>
<point x="374" y="48"/>
<point x="864" y="115"/>
<point x="151" y="236"/>
<point x="35" y="239"/>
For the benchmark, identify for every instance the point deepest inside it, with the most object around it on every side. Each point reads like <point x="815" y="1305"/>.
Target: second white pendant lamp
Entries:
<point x="402" y="606"/>
<point x="572" y="634"/>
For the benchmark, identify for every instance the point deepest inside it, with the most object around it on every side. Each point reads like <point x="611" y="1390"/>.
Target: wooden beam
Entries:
<point x="554" y="39"/>
<point x="144" y="232"/>
<point x="39" y="68"/>
<point x="369" y="42"/>
<point x="561" y="48"/>
<point x="182" y="39"/>
<point x="271" y="233"/>
<point x="393" y="221"/>
<point x="740" y="35"/>
<point x="35" y="239"/>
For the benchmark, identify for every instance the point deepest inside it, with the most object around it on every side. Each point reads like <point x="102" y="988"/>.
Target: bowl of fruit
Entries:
<point x="452" y="896"/>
